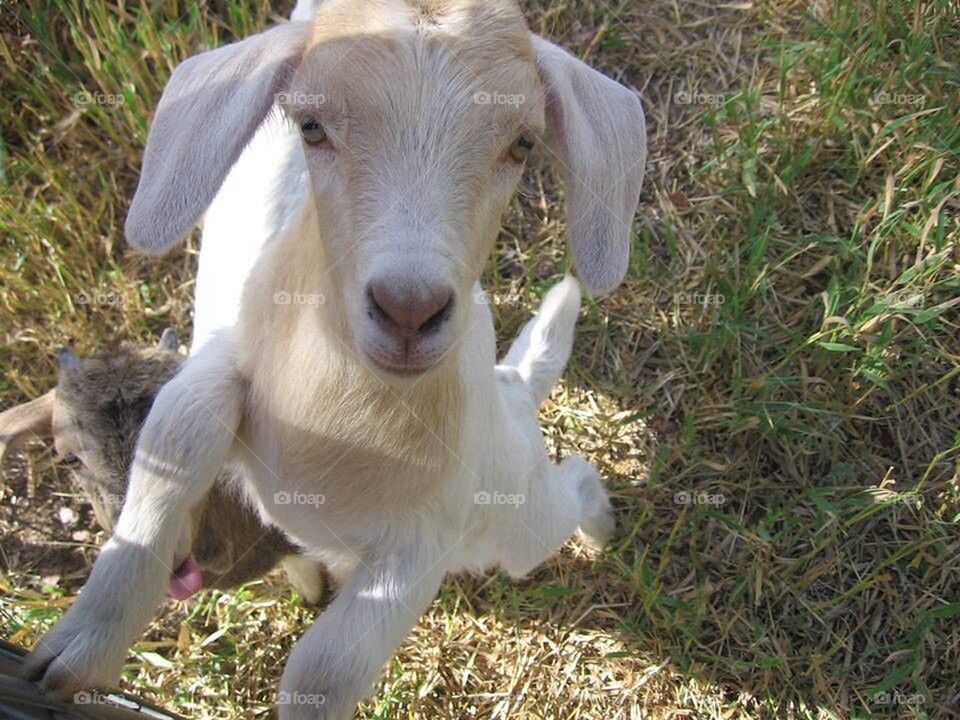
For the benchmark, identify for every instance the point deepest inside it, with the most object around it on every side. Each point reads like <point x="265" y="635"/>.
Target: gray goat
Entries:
<point x="94" y="416"/>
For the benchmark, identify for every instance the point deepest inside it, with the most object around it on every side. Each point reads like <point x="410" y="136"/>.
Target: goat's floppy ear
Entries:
<point x="24" y="422"/>
<point x="596" y="133"/>
<point x="210" y="109"/>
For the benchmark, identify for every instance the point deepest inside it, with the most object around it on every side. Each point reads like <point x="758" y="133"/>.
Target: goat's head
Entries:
<point x="416" y="120"/>
<point x="94" y="417"/>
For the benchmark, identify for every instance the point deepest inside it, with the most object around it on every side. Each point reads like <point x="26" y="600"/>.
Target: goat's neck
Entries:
<point x="304" y="372"/>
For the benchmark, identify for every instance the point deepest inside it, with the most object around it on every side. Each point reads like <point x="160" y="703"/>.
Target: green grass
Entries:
<point x="803" y="178"/>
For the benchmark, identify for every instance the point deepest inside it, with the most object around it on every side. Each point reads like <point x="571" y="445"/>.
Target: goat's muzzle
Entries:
<point x="410" y="320"/>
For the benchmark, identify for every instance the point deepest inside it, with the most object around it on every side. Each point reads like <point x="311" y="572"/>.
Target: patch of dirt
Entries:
<point x="48" y="533"/>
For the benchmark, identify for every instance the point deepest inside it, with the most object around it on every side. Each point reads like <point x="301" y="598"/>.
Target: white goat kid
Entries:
<point x="343" y="350"/>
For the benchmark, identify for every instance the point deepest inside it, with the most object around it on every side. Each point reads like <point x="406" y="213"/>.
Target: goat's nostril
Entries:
<point x="376" y="311"/>
<point x="439" y="317"/>
<point x="410" y="311"/>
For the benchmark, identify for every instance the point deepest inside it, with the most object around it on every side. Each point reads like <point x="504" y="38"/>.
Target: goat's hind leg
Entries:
<point x="565" y="498"/>
<point x="183" y="444"/>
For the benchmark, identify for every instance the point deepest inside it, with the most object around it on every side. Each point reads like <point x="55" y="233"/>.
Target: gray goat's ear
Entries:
<point x="68" y="359"/>
<point x="212" y="105"/>
<point x="597" y="136"/>
<point x="168" y="341"/>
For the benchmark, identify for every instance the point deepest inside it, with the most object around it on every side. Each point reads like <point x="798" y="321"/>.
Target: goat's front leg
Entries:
<point x="182" y="445"/>
<point x="335" y="664"/>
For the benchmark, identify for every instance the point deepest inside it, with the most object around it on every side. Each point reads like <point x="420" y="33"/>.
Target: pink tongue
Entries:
<point x="186" y="580"/>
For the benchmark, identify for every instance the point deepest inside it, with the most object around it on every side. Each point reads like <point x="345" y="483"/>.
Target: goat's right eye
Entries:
<point x="521" y="148"/>
<point x="313" y="132"/>
<point x="72" y="460"/>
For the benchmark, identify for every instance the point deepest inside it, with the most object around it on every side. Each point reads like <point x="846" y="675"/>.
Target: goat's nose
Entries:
<point x="410" y="309"/>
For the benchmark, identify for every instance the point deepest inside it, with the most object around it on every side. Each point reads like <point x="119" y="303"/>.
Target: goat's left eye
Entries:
<point x="312" y="132"/>
<point x="520" y="150"/>
<point x="72" y="460"/>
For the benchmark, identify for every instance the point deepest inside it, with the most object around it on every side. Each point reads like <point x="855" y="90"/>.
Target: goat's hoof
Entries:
<point x="313" y="594"/>
<point x="307" y="577"/>
<point x="597" y="530"/>
<point x="75" y="655"/>
<point x="597" y="523"/>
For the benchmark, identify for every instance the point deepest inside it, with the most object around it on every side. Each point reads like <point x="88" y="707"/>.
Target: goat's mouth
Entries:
<point x="403" y="370"/>
<point x="186" y="581"/>
<point x="408" y="359"/>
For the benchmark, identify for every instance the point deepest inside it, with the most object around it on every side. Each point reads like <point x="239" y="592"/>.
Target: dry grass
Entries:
<point x="785" y="352"/>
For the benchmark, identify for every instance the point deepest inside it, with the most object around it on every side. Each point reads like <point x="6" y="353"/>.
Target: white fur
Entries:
<point x="411" y="478"/>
